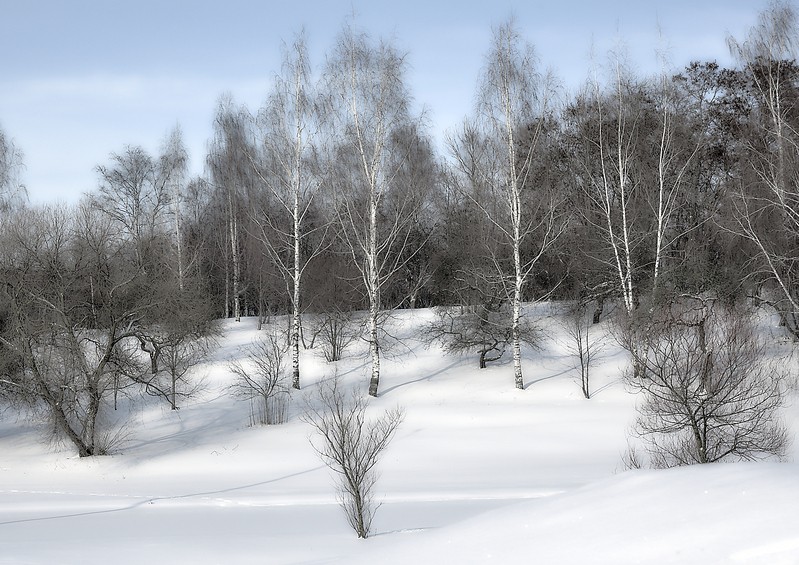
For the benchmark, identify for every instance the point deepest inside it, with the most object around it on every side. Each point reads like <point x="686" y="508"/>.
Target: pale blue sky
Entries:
<point x="82" y="78"/>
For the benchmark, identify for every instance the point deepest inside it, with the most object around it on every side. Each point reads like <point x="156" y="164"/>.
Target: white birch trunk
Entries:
<point x="618" y="236"/>
<point x="178" y="243"/>
<point x="297" y="274"/>
<point x="515" y="205"/>
<point x="516" y="325"/>
<point x="373" y="287"/>
<point x="235" y="259"/>
<point x="627" y="280"/>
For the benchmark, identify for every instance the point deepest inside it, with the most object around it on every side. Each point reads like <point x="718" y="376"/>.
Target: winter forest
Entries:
<point x="661" y="212"/>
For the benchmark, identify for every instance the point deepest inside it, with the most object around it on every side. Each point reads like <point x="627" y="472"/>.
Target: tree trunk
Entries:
<point x="600" y="306"/>
<point x="173" y="396"/>
<point x="295" y="314"/>
<point x="374" y="296"/>
<point x="374" y="348"/>
<point x="62" y="423"/>
<point x="234" y="247"/>
<point x="516" y="335"/>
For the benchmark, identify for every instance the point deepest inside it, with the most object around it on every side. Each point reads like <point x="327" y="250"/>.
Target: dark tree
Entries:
<point x="710" y="392"/>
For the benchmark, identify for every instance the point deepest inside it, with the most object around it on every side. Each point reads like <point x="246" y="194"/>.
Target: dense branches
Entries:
<point x="767" y="199"/>
<point x="289" y="228"/>
<point x="373" y="136"/>
<point x="262" y="378"/>
<point x="70" y="319"/>
<point x="12" y="192"/>
<point x="85" y="317"/>
<point x="709" y="392"/>
<point x="636" y="191"/>
<point x="499" y="178"/>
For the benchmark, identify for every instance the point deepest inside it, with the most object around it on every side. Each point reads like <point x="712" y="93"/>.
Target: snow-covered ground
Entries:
<point x="479" y="472"/>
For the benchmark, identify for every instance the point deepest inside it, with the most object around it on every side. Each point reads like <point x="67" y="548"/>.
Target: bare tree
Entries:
<point x="174" y="349"/>
<point x="368" y="103"/>
<point x="481" y="321"/>
<point x="80" y="303"/>
<point x="174" y="164"/>
<point x="231" y="173"/>
<point x="289" y="125"/>
<point x="633" y="165"/>
<point x="133" y="192"/>
<point x="335" y="299"/>
<point x="767" y="205"/>
<point x="142" y="198"/>
<point x="581" y="342"/>
<point x="462" y="329"/>
<point x="73" y="307"/>
<point x="179" y="357"/>
<point x="351" y="445"/>
<point x="12" y="192"/>
<point x="512" y="116"/>
<point x="612" y="190"/>
<point x="709" y="391"/>
<point x="338" y="329"/>
<point x="262" y="378"/>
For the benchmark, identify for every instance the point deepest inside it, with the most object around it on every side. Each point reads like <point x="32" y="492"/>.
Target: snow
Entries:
<point x="479" y="472"/>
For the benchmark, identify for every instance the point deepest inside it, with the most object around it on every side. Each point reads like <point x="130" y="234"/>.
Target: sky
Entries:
<point x="83" y="79"/>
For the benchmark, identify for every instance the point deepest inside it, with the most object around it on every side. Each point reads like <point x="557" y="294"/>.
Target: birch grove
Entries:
<point x="767" y="205"/>
<point x="230" y="172"/>
<point x="633" y="197"/>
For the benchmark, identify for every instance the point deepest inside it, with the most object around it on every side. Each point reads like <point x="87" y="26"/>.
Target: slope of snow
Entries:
<point x="478" y="472"/>
<point x="741" y="513"/>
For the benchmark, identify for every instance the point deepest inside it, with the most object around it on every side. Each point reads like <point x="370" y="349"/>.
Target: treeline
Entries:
<point x="639" y="191"/>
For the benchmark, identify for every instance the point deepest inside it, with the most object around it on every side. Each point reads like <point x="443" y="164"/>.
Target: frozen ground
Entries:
<point x="478" y="473"/>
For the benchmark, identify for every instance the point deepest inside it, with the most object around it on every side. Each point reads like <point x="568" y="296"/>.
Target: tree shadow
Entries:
<point x="530" y="383"/>
<point x="425" y="378"/>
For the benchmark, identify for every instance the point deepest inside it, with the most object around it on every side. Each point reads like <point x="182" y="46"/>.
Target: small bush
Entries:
<point x="263" y="379"/>
<point x="351" y="445"/>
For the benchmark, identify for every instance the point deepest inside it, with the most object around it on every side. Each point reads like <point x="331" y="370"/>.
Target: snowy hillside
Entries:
<point x="478" y="472"/>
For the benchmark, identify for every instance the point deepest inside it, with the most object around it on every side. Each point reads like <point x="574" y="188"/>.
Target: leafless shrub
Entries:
<point x="179" y="357"/>
<point x="351" y="445"/>
<point x="631" y="458"/>
<point x="581" y="342"/>
<point x="709" y="392"/>
<point x="485" y="329"/>
<point x="337" y="330"/>
<point x="263" y="378"/>
<point x="172" y="357"/>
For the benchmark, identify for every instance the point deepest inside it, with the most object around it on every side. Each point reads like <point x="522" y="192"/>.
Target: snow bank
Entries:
<point x="478" y="472"/>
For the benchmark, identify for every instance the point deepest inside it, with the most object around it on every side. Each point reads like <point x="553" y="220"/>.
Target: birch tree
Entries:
<point x="174" y="164"/>
<point x="767" y="203"/>
<point x="230" y="172"/>
<point x="289" y="124"/>
<point x="634" y="160"/>
<point x="614" y="188"/>
<point x="513" y="107"/>
<point x="133" y="193"/>
<point x="369" y="104"/>
<point x="12" y="192"/>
